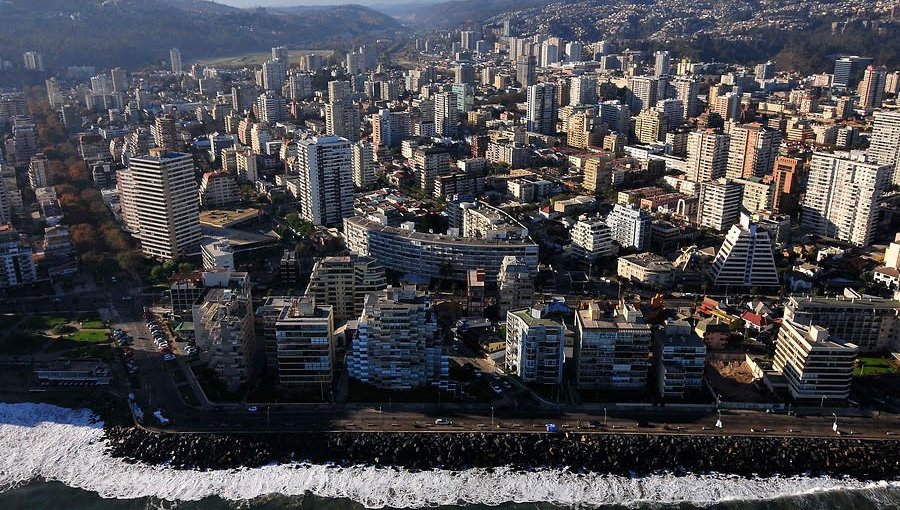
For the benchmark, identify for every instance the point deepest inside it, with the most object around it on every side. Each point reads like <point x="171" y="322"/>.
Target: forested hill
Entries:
<point x="138" y="32"/>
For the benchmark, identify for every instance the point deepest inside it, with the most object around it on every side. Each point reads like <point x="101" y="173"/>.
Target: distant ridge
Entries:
<point x="139" y="32"/>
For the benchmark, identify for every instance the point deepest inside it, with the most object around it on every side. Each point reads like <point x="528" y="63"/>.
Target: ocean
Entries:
<point x="54" y="458"/>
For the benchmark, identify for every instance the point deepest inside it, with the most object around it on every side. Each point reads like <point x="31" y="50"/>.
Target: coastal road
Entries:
<point x="743" y="423"/>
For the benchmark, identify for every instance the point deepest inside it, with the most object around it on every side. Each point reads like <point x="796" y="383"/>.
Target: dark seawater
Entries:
<point x="56" y="496"/>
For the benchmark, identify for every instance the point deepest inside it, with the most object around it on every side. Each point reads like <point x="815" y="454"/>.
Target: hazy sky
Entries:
<point x="271" y="3"/>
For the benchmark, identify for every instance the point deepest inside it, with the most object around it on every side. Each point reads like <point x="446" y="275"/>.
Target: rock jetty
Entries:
<point x="614" y="454"/>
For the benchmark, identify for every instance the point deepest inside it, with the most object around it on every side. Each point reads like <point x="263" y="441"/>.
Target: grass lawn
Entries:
<point x="92" y="336"/>
<point x="93" y="324"/>
<point x="876" y="366"/>
<point x="45" y="322"/>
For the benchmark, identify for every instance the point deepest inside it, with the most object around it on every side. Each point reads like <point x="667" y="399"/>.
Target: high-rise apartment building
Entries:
<point x="446" y="114"/>
<point x="662" y="63"/>
<point x="745" y="259"/>
<point x="707" y="155"/>
<point x="785" y="179"/>
<point x="842" y="195"/>
<point x="680" y="359"/>
<point x="871" y="88"/>
<point x="38" y="172"/>
<point x="591" y="238"/>
<point x="720" y="204"/>
<point x="342" y="119"/>
<point x="361" y="156"/>
<point x="650" y="126"/>
<point x="175" y="61"/>
<point x="814" y="364"/>
<point x="515" y="285"/>
<point x="344" y="282"/>
<point x="687" y="91"/>
<point x="398" y="343"/>
<point x="642" y="92"/>
<point x="165" y="134"/>
<point x="271" y="108"/>
<point x="752" y="150"/>
<point x="525" y="70"/>
<point x="582" y="90"/>
<point x="872" y="323"/>
<point x="326" y="182"/>
<point x="535" y="346"/>
<point x="884" y="144"/>
<point x="16" y="262"/>
<point x="305" y="346"/>
<point x="630" y="226"/>
<point x="612" y="348"/>
<point x="166" y="204"/>
<point x="542" y="108"/>
<point x="223" y="326"/>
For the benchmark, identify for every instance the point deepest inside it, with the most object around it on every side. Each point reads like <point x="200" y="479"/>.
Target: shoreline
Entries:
<point x="624" y="455"/>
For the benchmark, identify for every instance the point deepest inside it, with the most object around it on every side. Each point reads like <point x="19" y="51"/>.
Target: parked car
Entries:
<point x="252" y="409"/>
<point x="443" y="421"/>
<point x="168" y="357"/>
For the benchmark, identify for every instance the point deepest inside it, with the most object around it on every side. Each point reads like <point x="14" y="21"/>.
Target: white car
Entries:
<point x="252" y="409"/>
<point x="168" y="357"/>
<point x="443" y="421"/>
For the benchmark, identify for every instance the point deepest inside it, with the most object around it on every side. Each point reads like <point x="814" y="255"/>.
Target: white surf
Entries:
<point x="45" y="442"/>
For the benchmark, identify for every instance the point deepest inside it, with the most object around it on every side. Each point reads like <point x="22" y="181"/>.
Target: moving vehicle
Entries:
<point x="443" y="421"/>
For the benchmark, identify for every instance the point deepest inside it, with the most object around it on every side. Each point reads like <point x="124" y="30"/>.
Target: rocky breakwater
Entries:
<point x="614" y="454"/>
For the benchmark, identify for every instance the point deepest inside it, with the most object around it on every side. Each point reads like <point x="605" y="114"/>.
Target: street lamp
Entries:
<point x="834" y="426"/>
<point x="492" y="417"/>
<point x="604" y="416"/>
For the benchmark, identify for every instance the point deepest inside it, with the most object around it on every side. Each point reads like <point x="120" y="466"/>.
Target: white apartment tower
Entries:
<point x="175" y="61"/>
<point x="535" y="346"/>
<point x="166" y="204"/>
<point x="630" y="226"/>
<point x="814" y="365"/>
<point x="842" y="196"/>
<point x="361" y="155"/>
<point x="720" y="204"/>
<point x="884" y="144"/>
<point x="542" y="108"/>
<point x="591" y="238"/>
<point x="745" y="258"/>
<point x="398" y="345"/>
<point x="707" y="156"/>
<point x="326" y="183"/>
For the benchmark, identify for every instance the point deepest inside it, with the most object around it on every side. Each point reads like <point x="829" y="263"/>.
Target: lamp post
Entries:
<point x="604" y="416"/>
<point x="492" y="417"/>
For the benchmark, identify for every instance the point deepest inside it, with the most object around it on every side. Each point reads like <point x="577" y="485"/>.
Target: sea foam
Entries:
<point x="40" y="441"/>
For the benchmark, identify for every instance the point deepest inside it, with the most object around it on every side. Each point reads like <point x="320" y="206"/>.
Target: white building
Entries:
<point x="166" y="204"/>
<point x="591" y="238"/>
<point x="326" y="182"/>
<point x="814" y="365"/>
<point x="515" y="285"/>
<point x="535" y="347"/>
<point x="398" y="344"/>
<point x="842" y="195"/>
<point x="344" y="282"/>
<point x="223" y="326"/>
<point x="361" y="155"/>
<point x="745" y="258"/>
<point x="630" y="226"/>
<point x="707" y="156"/>
<point x="720" y="204"/>
<point x="884" y="144"/>
<point x="647" y="269"/>
<point x="542" y="108"/>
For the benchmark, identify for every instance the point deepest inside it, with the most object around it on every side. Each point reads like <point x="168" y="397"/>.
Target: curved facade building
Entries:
<point x="404" y="250"/>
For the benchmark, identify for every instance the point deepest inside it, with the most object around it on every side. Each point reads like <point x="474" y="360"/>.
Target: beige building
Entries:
<point x="648" y="269"/>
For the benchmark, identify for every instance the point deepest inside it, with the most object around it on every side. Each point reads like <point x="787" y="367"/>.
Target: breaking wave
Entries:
<point x="45" y="442"/>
